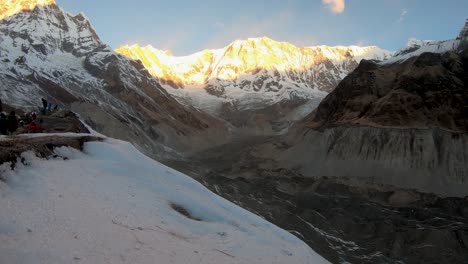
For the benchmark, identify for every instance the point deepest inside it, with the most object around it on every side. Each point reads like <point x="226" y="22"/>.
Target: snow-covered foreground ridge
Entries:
<point x="112" y="204"/>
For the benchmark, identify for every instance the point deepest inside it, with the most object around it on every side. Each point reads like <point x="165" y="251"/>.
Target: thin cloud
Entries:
<point x="219" y="25"/>
<point x="336" y="6"/>
<point x="403" y="14"/>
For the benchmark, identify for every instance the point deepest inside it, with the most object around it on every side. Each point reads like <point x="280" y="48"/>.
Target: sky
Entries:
<point x="187" y="26"/>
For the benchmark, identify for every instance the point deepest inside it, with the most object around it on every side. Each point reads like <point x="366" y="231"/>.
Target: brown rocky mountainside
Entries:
<point x="403" y="124"/>
<point x="427" y="91"/>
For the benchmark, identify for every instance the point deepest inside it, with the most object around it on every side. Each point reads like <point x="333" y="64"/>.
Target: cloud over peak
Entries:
<point x="336" y="6"/>
<point x="403" y="14"/>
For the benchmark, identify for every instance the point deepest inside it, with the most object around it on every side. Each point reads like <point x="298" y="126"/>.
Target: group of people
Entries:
<point x="12" y="124"/>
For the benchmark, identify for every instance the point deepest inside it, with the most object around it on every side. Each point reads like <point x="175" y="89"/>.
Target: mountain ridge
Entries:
<point x="253" y="54"/>
<point x="47" y="52"/>
<point x="256" y="83"/>
<point x="12" y="7"/>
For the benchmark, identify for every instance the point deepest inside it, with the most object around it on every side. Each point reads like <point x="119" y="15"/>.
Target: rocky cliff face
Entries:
<point x="426" y="160"/>
<point x="426" y="91"/>
<point x="46" y="52"/>
<point x="402" y="124"/>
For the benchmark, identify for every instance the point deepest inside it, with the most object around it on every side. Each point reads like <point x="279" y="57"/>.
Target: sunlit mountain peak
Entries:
<point x="243" y="57"/>
<point x="11" y="7"/>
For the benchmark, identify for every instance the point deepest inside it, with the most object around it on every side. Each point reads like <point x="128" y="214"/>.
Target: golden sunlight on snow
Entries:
<point x="11" y="7"/>
<point x="242" y="57"/>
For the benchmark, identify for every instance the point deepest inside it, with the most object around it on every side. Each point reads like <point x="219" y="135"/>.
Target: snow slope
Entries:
<point x="112" y="204"/>
<point x="416" y="47"/>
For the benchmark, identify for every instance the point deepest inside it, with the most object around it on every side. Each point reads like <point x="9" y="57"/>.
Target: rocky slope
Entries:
<point x="345" y="224"/>
<point x="244" y="81"/>
<point x="426" y="91"/>
<point x="403" y="124"/>
<point x="46" y="52"/>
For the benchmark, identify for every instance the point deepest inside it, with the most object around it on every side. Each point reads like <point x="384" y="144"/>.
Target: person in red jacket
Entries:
<point x="33" y="128"/>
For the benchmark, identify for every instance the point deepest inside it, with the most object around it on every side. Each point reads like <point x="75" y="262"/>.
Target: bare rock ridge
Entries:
<point x="427" y="91"/>
<point x="46" y="52"/>
<point x="403" y="124"/>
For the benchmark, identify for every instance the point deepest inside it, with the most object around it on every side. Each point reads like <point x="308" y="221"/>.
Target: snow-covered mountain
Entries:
<point x="416" y="47"/>
<point x="256" y="65"/>
<point x="13" y="7"/>
<point x="246" y="63"/>
<point x="244" y="81"/>
<point x="47" y="52"/>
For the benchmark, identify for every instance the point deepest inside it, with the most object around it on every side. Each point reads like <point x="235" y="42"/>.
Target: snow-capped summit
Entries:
<point x="13" y="7"/>
<point x="253" y="74"/>
<point x="47" y="52"/>
<point x="253" y="56"/>
<point x="416" y="47"/>
<point x="48" y="28"/>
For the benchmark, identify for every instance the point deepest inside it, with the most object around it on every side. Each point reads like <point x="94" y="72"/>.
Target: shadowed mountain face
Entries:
<point x="46" y="52"/>
<point x="403" y="124"/>
<point x="427" y="91"/>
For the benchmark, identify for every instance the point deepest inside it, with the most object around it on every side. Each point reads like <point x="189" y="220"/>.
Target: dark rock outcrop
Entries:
<point x="427" y="91"/>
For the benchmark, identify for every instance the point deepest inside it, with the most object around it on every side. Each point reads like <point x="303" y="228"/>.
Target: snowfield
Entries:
<point x="112" y="204"/>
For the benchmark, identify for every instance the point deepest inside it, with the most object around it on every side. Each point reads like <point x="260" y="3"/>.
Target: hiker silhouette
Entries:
<point x="44" y="106"/>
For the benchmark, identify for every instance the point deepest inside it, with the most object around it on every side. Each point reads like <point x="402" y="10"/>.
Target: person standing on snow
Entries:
<point x="44" y="106"/>
<point x="12" y="122"/>
<point x="3" y="124"/>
